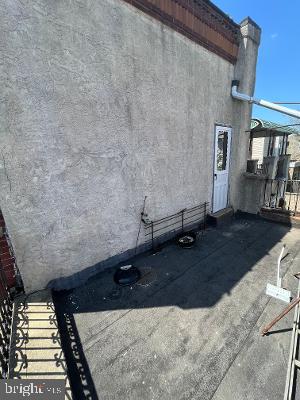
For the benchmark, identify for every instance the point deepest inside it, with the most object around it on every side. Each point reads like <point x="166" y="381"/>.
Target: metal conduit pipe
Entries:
<point x="244" y="97"/>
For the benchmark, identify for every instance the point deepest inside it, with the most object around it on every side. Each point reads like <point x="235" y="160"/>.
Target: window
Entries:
<point x="222" y="150"/>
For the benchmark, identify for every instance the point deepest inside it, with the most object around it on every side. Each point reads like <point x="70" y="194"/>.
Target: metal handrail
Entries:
<point x="182" y="220"/>
<point x="275" y="190"/>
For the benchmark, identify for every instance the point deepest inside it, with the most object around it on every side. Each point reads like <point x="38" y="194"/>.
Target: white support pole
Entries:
<point x="278" y="267"/>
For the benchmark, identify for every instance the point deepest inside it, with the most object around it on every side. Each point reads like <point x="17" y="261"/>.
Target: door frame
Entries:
<point x="221" y="125"/>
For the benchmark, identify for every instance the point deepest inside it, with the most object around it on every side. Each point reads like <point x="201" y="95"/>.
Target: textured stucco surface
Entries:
<point x="253" y="193"/>
<point x="100" y="106"/>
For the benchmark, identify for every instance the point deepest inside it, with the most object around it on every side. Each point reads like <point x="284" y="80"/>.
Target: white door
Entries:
<point x="221" y="167"/>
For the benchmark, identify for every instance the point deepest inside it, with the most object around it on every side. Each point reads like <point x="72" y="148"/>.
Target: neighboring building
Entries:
<point x="294" y="146"/>
<point x="269" y="186"/>
<point x="271" y="139"/>
<point x="294" y="170"/>
<point x="294" y="150"/>
<point x="105" y="102"/>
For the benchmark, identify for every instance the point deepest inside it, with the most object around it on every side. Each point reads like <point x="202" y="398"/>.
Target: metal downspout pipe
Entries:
<point x="244" y="97"/>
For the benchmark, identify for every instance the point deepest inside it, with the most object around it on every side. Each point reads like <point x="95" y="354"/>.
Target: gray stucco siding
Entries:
<point x="101" y="106"/>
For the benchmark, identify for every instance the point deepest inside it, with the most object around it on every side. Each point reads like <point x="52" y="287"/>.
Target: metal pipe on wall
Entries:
<point x="267" y="104"/>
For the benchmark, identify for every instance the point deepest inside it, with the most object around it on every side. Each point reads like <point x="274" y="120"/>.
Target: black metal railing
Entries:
<point x="165" y="228"/>
<point x="6" y="305"/>
<point x="283" y="194"/>
<point x="292" y="196"/>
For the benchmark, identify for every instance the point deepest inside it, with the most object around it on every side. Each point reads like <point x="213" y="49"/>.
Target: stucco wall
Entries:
<point x="101" y="105"/>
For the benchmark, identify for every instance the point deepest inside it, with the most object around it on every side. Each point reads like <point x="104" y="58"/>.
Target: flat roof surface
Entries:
<point x="191" y="328"/>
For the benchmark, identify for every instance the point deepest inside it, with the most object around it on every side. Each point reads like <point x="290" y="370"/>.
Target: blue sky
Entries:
<point x="278" y="67"/>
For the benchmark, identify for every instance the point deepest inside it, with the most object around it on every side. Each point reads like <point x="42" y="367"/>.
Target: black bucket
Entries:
<point x="127" y="275"/>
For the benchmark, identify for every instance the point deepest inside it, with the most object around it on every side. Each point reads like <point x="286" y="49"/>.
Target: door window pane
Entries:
<point x="222" y="150"/>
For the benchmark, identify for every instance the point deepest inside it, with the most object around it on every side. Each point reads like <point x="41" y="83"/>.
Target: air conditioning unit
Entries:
<point x="283" y="167"/>
<point x="270" y="166"/>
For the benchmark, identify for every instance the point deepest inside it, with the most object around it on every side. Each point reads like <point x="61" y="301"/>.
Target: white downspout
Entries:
<point x="244" y="97"/>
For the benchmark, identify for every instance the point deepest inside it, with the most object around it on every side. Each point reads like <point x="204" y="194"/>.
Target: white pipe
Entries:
<point x="244" y="97"/>
<point x="278" y="267"/>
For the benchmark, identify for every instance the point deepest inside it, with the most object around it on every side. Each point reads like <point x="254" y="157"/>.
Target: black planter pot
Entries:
<point x="186" y="240"/>
<point x="127" y="275"/>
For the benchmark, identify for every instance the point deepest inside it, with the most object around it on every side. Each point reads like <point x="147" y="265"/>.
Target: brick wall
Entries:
<point x="7" y="260"/>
